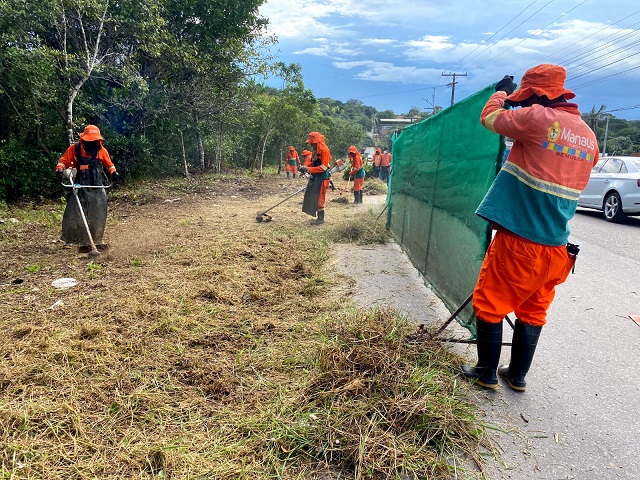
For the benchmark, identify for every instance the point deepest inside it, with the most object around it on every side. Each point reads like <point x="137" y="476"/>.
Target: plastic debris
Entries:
<point x="59" y="303"/>
<point x="63" y="283"/>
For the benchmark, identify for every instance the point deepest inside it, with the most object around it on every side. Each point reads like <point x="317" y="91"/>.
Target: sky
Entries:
<point x="392" y="54"/>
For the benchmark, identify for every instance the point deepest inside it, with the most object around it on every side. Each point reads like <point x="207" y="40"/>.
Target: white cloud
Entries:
<point x="395" y="41"/>
<point x="378" y="41"/>
<point x="374" y="71"/>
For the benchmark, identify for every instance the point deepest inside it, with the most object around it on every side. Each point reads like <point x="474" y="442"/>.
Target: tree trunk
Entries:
<point x="199" y="141"/>
<point x="91" y="62"/>
<point x="262" y="149"/>
<point x="184" y="156"/>
<point x="219" y="154"/>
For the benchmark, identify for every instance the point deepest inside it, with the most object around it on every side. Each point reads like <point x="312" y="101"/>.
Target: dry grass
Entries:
<point x="207" y="345"/>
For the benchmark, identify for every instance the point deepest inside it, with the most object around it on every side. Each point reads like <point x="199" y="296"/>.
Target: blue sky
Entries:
<point x="391" y="54"/>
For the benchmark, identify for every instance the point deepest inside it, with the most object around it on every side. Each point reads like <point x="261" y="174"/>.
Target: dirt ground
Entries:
<point x="196" y="314"/>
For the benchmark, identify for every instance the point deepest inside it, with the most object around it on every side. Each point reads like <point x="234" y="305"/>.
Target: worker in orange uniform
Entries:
<point x="314" y="195"/>
<point x="377" y="158"/>
<point x="306" y="158"/>
<point x="357" y="172"/>
<point x="293" y="161"/>
<point x="530" y="203"/>
<point x="385" y="166"/>
<point x="86" y="158"/>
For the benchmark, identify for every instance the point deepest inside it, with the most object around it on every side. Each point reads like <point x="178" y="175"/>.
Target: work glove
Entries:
<point x="59" y="175"/>
<point x="115" y="177"/>
<point x="304" y="169"/>
<point x="506" y="85"/>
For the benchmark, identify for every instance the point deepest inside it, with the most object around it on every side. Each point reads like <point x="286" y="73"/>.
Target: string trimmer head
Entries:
<point x="263" y="217"/>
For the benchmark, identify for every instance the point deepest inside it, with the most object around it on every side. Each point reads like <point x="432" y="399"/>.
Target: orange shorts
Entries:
<point x="519" y="276"/>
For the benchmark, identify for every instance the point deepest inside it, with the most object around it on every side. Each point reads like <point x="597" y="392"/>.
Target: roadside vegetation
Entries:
<point x="204" y="344"/>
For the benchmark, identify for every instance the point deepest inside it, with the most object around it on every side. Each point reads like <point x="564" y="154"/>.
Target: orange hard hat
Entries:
<point x="91" y="133"/>
<point x="315" y="137"/>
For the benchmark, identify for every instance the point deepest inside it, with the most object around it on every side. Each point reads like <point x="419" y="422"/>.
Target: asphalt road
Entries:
<point x="579" y="417"/>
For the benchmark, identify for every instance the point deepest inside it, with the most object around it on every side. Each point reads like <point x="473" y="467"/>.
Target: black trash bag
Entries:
<point x="94" y="205"/>
<point x="311" y="196"/>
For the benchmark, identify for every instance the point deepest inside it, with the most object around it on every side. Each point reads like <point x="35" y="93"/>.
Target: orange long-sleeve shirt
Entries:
<point x="324" y="155"/>
<point x="68" y="159"/>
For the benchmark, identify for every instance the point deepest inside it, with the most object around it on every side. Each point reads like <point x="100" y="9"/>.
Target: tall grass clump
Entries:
<point x="379" y="404"/>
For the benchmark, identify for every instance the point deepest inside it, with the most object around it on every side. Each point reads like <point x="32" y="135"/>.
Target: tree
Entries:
<point x="593" y="117"/>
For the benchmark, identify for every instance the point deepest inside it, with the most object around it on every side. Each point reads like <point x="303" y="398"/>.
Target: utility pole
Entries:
<point x="432" y="102"/>
<point x="606" y="131"/>
<point x="453" y="82"/>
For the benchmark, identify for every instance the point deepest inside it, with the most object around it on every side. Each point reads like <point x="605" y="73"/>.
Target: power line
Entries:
<point x="604" y="66"/>
<point x="632" y="107"/>
<point x="537" y="31"/>
<point x="559" y="60"/>
<point x="510" y="31"/>
<point x="501" y="28"/>
<point x="603" y="79"/>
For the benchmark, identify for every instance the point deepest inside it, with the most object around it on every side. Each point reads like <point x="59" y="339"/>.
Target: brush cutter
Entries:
<point x="263" y="217"/>
<point x="69" y="172"/>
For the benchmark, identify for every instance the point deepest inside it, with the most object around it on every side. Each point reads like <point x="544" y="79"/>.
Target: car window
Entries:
<point x="636" y="162"/>
<point x="598" y="166"/>
<point x="623" y="169"/>
<point x="612" y="166"/>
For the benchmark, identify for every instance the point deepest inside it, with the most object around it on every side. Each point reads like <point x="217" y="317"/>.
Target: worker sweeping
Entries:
<point x="314" y="195"/>
<point x="357" y="172"/>
<point x="293" y="161"/>
<point x="87" y="157"/>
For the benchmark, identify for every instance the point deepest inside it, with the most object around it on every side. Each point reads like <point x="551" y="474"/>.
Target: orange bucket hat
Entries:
<point x="91" y="133"/>
<point x="545" y="79"/>
<point x="352" y="149"/>
<point x="315" y="137"/>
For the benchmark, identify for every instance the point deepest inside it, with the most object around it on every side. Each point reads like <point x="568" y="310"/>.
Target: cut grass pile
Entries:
<point x="207" y="345"/>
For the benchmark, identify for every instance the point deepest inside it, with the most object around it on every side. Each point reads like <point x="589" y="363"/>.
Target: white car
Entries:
<point x="614" y="188"/>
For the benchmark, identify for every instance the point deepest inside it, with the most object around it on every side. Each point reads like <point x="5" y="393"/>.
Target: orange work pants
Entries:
<point x="291" y="168"/>
<point x="519" y="276"/>
<point x="323" y="194"/>
<point x="357" y="184"/>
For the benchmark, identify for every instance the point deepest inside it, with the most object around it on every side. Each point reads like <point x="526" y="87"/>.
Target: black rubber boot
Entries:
<point x="489" y="344"/>
<point x="355" y="197"/>
<point x="360" y="195"/>
<point x="287" y="174"/>
<point x="525" y="340"/>
<point x="320" y="219"/>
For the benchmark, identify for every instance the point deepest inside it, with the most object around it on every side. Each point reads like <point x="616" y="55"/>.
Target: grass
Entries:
<point x="206" y="345"/>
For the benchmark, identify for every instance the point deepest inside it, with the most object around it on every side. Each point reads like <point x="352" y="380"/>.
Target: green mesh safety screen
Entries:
<point x="442" y="168"/>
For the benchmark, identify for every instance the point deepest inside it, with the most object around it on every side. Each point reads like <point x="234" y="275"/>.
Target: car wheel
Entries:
<point x="612" y="208"/>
